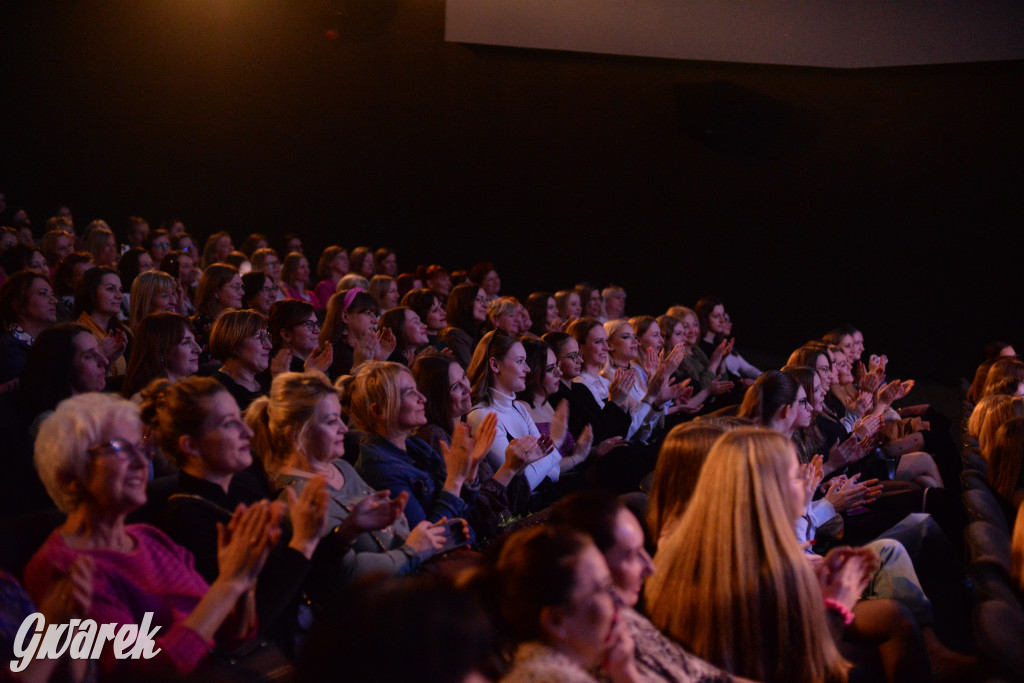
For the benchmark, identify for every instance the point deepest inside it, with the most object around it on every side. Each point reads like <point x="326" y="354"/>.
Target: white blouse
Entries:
<point x="514" y="422"/>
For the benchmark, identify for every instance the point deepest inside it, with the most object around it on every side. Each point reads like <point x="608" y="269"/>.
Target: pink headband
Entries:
<point x="350" y="295"/>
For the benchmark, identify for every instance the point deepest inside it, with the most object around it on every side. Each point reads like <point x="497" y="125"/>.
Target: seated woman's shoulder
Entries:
<point x="537" y="663"/>
<point x="155" y="541"/>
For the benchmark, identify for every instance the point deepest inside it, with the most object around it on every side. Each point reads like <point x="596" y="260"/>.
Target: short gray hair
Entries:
<point x="79" y="423"/>
<point x="612" y="290"/>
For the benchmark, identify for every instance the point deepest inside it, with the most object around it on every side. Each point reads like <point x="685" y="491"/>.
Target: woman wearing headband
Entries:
<point x="350" y="326"/>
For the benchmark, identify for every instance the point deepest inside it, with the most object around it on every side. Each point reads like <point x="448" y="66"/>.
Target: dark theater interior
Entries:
<point x="458" y="471"/>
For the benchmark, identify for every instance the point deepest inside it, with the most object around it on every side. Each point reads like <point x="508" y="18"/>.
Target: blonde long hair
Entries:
<point x="731" y="583"/>
<point x="680" y="459"/>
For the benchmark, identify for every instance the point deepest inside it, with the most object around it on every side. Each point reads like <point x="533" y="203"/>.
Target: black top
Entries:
<point x="242" y="395"/>
<point x="190" y="518"/>
<point x="606" y="422"/>
<point x="344" y="355"/>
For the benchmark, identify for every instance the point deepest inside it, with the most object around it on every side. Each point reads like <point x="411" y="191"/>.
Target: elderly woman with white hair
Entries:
<point x="92" y="458"/>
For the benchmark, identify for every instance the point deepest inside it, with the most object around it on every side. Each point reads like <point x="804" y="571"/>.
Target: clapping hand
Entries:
<point x="609" y="445"/>
<point x="320" y="358"/>
<point x="521" y="452"/>
<point x="583" y="443"/>
<point x="674" y="358"/>
<point x="378" y="511"/>
<point x="482" y="441"/>
<point x="281" y="362"/>
<point x="723" y="349"/>
<point x="386" y="343"/>
<point x="867" y="426"/>
<point x="308" y="515"/>
<point x="649" y="361"/>
<point x="245" y="541"/>
<point x="845" y="493"/>
<point x="622" y="384"/>
<point x="113" y="345"/>
<point x="460" y="458"/>
<point x="845" y="452"/>
<point x="560" y="422"/>
<point x="872" y="380"/>
<point x="877" y="362"/>
<point x="845" y="574"/>
<point x="71" y="595"/>
<point x="812" y="475"/>
<point x="720" y="386"/>
<point x="861" y="403"/>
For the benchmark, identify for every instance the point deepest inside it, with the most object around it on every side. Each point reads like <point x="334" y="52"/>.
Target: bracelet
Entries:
<point x="841" y="609"/>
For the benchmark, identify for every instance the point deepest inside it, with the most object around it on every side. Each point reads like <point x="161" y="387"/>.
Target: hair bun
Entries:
<point x="152" y="395"/>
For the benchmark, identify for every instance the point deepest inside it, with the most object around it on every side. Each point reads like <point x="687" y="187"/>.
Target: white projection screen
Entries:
<point x="823" y="33"/>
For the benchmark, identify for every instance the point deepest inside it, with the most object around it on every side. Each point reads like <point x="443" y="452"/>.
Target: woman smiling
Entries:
<point x="165" y="346"/>
<point x="240" y="340"/>
<point x="91" y="456"/>
<point x="299" y="435"/>
<point x="27" y="307"/>
<point x="387" y="407"/>
<point x="97" y="306"/>
<point x="497" y="373"/>
<point x="199" y="427"/>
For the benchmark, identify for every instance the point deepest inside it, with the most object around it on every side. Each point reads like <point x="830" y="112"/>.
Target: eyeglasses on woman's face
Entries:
<point x="122" y="450"/>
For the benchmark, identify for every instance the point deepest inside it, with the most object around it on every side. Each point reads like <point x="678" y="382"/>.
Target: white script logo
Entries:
<point x="81" y="639"/>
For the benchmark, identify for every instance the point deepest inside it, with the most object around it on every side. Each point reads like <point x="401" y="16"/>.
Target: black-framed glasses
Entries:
<point x="311" y="326"/>
<point x="804" y="402"/>
<point x="574" y="356"/>
<point x="263" y="335"/>
<point x="122" y="449"/>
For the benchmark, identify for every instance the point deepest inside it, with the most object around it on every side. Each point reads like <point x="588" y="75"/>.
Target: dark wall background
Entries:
<point x="803" y="197"/>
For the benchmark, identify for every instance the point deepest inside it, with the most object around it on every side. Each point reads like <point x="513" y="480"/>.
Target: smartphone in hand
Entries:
<point x="455" y="536"/>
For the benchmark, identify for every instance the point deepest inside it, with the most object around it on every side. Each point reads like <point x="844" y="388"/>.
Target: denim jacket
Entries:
<point x="419" y="469"/>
